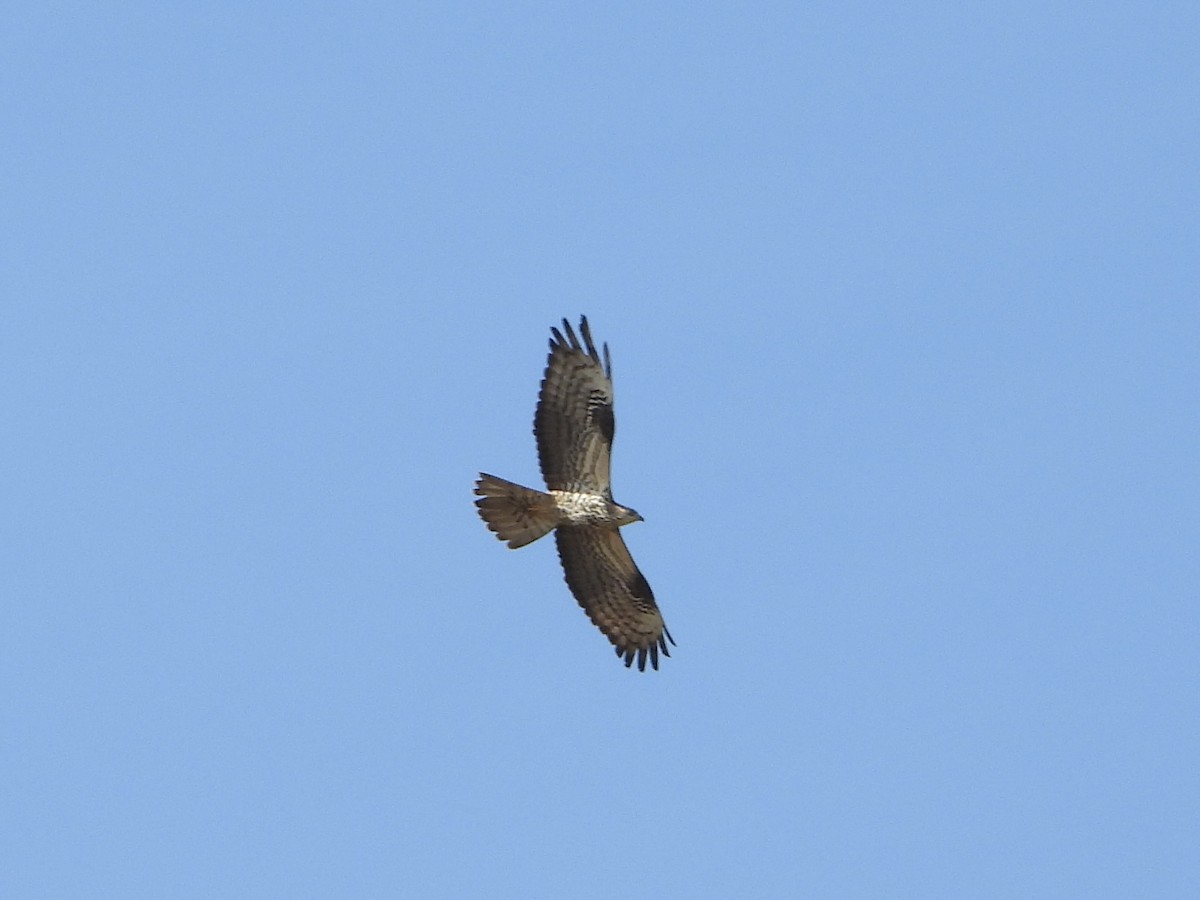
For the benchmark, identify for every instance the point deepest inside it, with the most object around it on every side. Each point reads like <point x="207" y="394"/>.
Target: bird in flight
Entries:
<point x="574" y="427"/>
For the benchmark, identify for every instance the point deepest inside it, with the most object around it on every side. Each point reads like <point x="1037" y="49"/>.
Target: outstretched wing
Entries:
<point x="614" y="594"/>
<point x="574" y="423"/>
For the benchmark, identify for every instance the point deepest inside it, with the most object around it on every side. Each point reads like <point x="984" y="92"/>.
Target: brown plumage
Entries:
<point x="574" y="427"/>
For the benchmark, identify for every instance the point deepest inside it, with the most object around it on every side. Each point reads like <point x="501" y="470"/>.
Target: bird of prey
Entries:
<point x="574" y="429"/>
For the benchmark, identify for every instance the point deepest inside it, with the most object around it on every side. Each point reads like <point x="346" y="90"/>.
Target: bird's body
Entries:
<point x="574" y="427"/>
<point x="579" y="508"/>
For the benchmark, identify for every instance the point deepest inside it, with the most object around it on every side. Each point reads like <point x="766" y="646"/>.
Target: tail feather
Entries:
<point x="517" y="514"/>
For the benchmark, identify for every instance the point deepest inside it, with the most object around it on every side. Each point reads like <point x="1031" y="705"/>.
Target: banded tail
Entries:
<point x="517" y="514"/>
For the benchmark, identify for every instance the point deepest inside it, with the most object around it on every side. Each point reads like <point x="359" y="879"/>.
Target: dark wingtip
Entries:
<point x="572" y="341"/>
<point x="641" y="654"/>
<point x="567" y="339"/>
<point x="589" y="346"/>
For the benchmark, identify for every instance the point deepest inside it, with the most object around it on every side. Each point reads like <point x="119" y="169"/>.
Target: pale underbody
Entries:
<point x="578" y="508"/>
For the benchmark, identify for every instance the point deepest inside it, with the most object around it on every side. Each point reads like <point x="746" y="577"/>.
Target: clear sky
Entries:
<point x="904" y="308"/>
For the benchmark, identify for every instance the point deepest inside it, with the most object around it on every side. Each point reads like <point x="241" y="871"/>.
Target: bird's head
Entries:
<point x="625" y="515"/>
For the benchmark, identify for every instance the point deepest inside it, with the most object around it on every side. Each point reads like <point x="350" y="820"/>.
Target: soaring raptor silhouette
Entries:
<point x="574" y="428"/>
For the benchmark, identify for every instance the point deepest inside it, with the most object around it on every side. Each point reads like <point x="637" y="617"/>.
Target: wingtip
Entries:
<point x="566" y="338"/>
<point x="641" y="655"/>
<point x="589" y="346"/>
<point x="572" y="341"/>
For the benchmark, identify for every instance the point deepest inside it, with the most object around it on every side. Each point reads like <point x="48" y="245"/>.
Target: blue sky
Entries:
<point x="902" y="301"/>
